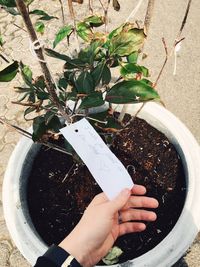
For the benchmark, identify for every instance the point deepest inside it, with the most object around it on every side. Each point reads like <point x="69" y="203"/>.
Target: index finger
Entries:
<point x="138" y="190"/>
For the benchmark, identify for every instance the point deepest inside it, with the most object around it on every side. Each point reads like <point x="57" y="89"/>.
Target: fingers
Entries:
<point x="118" y="202"/>
<point x="138" y="190"/>
<point x="141" y="202"/>
<point x="131" y="227"/>
<point x="137" y="215"/>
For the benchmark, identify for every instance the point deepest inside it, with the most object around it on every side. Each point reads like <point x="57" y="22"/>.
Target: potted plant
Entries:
<point x="154" y="146"/>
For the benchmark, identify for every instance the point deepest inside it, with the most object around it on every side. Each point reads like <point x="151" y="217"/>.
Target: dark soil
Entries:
<point x="56" y="202"/>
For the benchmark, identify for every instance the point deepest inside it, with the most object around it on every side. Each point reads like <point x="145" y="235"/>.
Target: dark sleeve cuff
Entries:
<point x="55" y="256"/>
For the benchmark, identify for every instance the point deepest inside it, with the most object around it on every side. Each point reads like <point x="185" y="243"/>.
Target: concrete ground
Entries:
<point x="181" y="93"/>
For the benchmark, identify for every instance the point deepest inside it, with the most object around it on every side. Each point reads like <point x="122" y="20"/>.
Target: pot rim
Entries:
<point x="171" y="248"/>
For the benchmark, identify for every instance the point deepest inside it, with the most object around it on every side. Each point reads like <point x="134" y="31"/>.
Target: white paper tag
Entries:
<point x="105" y="167"/>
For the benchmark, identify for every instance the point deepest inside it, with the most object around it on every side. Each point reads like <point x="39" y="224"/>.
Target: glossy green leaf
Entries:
<point x="88" y="54"/>
<point x="97" y="73"/>
<point x="94" y="20"/>
<point x="94" y="99"/>
<point x="8" y="3"/>
<point x="9" y="73"/>
<point x="54" y="124"/>
<point x="39" y="27"/>
<point x="131" y="92"/>
<point x="106" y="75"/>
<point x="42" y="95"/>
<point x="39" y="82"/>
<point x="126" y="41"/>
<point x="132" y="58"/>
<point x="39" y="128"/>
<point x="85" y="83"/>
<point x="84" y="31"/>
<point x="129" y="70"/>
<point x="43" y="14"/>
<point x="26" y="73"/>
<point x="63" y="33"/>
<point x="63" y="83"/>
<point x="52" y="53"/>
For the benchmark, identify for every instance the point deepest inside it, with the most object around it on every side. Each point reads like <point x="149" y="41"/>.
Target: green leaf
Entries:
<point x="28" y="2"/>
<point x="29" y="110"/>
<point x="39" y="128"/>
<point x="39" y="27"/>
<point x="54" y="124"/>
<point x="9" y="73"/>
<point x="97" y="73"/>
<point x="113" y="256"/>
<point x="52" y="53"/>
<point x="39" y="82"/>
<point x="26" y="73"/>
<point x="84" y="31"/>
<point x="63" y="32"/>
<point x="8" y="3"/>
<point x="126" y="41"/>
<point x="42" y="13"/>
<point x="94" y="20"/>
<point x="1" y="40"/>
<point x="106" y="75"/>
<point x="131" y="92"/>
<point x="94" y="99"/>
<point x="85" y="83"/>
<point x="132" y="58"/>
<point x="42" y="95"/>
<point x="63" y="83"/>
<point x="128" y="70"/>
<point x="11" y="11"/>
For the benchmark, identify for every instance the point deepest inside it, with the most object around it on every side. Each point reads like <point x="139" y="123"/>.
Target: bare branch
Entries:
<point x="90" y="4"/>
<point x="47" y="76"/>
<point x="149" y="14"/>
<point x="62" y="11"/>
<point x="105" y="9"/>
<point x="165" y="62"/>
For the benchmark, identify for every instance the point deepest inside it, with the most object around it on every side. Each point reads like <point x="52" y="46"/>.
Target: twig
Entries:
<point x="62" y="11"/>
<point x="68" y="173"/>
<point x="149" y="15"/>
<point x="5" y="59"/>
<point x="90" y="4"/>
<point x="177" y="41"/>
<point x="47" y="76"/>
<point x="105" y="9"/>
<point x="19" y="27"/>
<point x="164" y="63"/>
<point x="29" y="135"/>
<point x="71" y="11"/>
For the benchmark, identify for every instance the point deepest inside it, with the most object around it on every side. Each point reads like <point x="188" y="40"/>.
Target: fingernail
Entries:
<point x="126" y="192"/>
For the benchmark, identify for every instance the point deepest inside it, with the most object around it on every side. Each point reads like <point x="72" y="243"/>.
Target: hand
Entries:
<point x="99" y="227"/>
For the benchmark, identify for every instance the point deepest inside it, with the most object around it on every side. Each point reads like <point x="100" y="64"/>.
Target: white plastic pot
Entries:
<point x="164" y="254"/>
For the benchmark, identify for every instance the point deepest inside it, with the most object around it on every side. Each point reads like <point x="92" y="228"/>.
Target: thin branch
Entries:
<point x="3" y="57"/>
<point x="105" y="9"/>
<point x="149" y="15"/>
<point x="29" y="135"/>
<point x="72" y="14"/>
<point x="19" y="27"/>
<point x="164" y="63"/>
<point x="177" y="41"/>
<point x="62" y="11"/>
<point x="134" y="11"/>
<point x="47" y="76"/>
<point x="90" y="4"/>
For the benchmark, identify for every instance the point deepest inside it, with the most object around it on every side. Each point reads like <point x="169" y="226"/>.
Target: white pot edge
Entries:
<point x="164" y="254"/>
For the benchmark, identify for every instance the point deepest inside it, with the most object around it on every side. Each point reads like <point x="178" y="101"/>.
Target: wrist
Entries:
<point x="73" y="246"/>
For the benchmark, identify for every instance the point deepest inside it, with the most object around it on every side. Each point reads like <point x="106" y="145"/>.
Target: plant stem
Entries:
<point x="71" y="11"/>
<point x="176" y="42"/>
<point x="90" y="4"/>
<point x="29" y="135"/>
<point x="105" y="9"/>
<point x="47" y="76"/>
<point x="62" y="11"/>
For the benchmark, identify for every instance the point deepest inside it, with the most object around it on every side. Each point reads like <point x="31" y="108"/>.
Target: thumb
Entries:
<point x="118" y="202"/>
